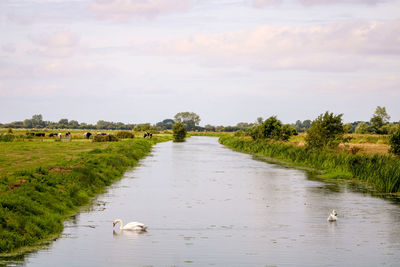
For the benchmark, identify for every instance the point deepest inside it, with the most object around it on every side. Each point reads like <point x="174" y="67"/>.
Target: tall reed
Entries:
<point x="379" y="171"/>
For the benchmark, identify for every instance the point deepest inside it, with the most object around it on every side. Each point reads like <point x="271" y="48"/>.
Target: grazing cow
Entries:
<point x="40" y="134"/>
<point x="53" y="134"/>
<point x="87" y="135"/>
<point x="59" y="135"/>
<point x="67" y="134"/>
<point x="147" y="134"/>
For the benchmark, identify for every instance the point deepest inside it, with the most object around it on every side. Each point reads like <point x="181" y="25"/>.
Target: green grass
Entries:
<point x="46" y="182"/>
<point x="380" y="172"/>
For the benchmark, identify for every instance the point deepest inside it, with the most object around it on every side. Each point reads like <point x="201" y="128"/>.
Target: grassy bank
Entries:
<point x="42" y="183"/>
<point x="381" y="172"/>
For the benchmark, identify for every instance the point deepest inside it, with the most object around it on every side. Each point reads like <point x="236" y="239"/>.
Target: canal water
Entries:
<point x="206" y="205"/>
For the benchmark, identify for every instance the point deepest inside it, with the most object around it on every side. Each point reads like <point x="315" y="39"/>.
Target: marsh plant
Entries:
<point x="179" y="132"/>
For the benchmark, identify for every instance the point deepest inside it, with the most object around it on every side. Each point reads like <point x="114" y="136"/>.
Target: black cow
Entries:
<point x="147" y="134"/>
<point x="67" y="134"/>
<point x="40" y="134"/>
<point x="87" y="135"/>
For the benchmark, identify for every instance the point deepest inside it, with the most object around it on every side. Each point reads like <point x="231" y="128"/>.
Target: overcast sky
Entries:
<point x="229" y="61"/>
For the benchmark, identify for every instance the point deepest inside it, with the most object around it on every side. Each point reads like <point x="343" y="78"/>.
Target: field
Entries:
<point x="364" y="143"/>
<point x="43" y="181"/>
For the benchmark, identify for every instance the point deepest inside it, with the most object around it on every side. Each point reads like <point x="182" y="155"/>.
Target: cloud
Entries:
<point x="334" y="47"/>
<point x="267" y="3"/>
<point x="127" y="9"/>
<point x="9" y="48"/>
<point x="57" y="44"/>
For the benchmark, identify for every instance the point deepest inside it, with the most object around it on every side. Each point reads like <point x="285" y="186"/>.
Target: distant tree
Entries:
<point x="189" y="119"/>
<point x="379" y="118"/>
<point x="394" y="142"/>
<point x="362" y="128"/>
<point x="209" y="128"/>
<point x="348" y="128"/>
<point x="73" y="124"/>
<point x="179" y="132"/>
<point x="307" y="124"/>
<point x="260" y="120"/>
<point x="28" y="123"/>
<point x="165" y="124"/>
<point x="325" y="131"/>
<point x="37" y="121"/>
<point x="63" y="122"/>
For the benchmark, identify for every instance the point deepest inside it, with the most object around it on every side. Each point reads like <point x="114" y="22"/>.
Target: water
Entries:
<point x="206" y="205"/>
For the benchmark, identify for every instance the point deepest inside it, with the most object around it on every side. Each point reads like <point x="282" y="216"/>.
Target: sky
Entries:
<point x="229" y="61"/>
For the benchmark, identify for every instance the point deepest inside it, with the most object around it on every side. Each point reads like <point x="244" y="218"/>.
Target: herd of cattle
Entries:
<point x="86" y="135"/>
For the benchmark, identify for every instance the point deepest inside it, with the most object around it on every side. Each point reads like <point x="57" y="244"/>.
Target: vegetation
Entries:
<point x="379" y="171"/>
<point x="189" y="119"/>
<point x="105" y="138"/>
<point x="395" y="142"/>
<point x="36" y="199"/>
<point x="124" y="134"/>
<point x="179" y="132"/>
<point x="326" y="131"/>
<point x="272" y="128"/>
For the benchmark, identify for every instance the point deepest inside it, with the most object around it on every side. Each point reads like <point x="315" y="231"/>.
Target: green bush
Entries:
<point x="325" y="131"/>
<point x="6" y="137"/>
<point x="394" y="142"/>
<point x="104" y="138"/>
<point x="272" y="128"/>
<point x="125" y="134"/>
<point x="179" y="132"/>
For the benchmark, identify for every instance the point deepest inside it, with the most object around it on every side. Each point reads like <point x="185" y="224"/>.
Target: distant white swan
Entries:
<point x="333" y="216"/>
<point x="133" y="226"/>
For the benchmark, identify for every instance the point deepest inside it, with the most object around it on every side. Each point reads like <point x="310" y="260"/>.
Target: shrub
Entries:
<point x="6" y="137"/>
<point x="179" y="132"/>
<point x="104" y="138"/>
<point x="326" y="131"/>
<point x="272" y="128"/>
<point x="394" y="142"/>
<point x="125" y="134"/>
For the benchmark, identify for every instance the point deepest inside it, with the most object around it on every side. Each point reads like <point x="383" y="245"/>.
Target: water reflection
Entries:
<point x="207" y="205"/>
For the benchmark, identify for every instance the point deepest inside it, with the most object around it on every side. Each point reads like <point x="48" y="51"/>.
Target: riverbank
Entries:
<point x="35" y="202"/>
<point x="380" y="172"/>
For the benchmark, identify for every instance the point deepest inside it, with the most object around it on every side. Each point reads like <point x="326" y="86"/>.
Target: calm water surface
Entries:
<point x="206" y="205"/>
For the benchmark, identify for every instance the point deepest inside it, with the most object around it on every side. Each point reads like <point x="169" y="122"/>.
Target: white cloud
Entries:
<point x="126" y="9"/>
<point x="57" y="44"/>
<point x="335" y="47"/>
<point x="268" y="3"/>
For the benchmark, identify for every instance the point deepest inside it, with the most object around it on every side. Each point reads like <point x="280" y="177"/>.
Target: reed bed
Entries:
<point x="382" y="172"/>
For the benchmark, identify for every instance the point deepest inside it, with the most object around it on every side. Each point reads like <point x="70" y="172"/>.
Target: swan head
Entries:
<point x="334" y="212"/>
<point x="116" y="221"/>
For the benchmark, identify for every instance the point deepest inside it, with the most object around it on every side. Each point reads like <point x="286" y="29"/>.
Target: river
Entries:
<point x="206" y="205"/>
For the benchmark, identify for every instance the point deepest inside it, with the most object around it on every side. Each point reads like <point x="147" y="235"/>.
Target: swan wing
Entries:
<point x="135" y="226"/>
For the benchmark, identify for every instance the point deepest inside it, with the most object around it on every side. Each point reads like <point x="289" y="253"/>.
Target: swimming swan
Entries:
<point x="134" y="226"/>
<point x="333" y="216"/>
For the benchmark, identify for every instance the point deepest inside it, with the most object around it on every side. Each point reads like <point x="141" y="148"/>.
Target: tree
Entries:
<point x="189" y="119"/>
<point x="179" y="132"/>
<point x="362" y="128"/>
<point x="325" y="131"/>
<point x="379" y="119"/>
<point x="37" y="121"/>
<point x="348" y="128"/>
<point x="28" y="123"/>
<point x="394" y="142"/>
<point x="272" y="128"/>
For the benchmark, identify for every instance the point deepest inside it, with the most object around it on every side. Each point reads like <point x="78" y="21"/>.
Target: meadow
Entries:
<point x="43" y="182"/>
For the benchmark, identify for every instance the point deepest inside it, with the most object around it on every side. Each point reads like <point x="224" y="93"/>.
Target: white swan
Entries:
<point x="133" y="226"/>
<point x="333" y="216"/>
